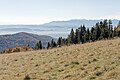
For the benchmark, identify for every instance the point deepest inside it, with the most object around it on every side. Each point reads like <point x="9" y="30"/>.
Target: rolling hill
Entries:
<point x="90" y="61"/>
<point x="21" y="39"/>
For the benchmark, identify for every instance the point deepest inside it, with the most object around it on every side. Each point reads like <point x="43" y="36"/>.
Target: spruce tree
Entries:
<point x="88" y="35"/>
<point x="48" y="45"/>
<point x="106" y="29"/>
<point x="72" y="36"/>
<point x="98" y="31"/>
<point x="53" y="43"/>
<point x="76" y="37"/>
<point x="110" y="24"/>
<point x="92" y="34"/>
<point x="59" y="42"/>
<point x="38" y="45"/>
<point x="82" y="33"/>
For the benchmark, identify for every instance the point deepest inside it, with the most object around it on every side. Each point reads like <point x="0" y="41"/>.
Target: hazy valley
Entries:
<point x="54" y="29"/>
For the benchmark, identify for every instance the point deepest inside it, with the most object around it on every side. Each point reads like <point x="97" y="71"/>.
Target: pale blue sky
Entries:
<point x="42" y="11"/>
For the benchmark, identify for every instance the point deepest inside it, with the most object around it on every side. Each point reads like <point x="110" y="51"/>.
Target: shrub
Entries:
<point x="27" y="77"/>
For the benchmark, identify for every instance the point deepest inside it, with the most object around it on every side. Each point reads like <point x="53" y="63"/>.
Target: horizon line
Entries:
<point x="23" y="24"/>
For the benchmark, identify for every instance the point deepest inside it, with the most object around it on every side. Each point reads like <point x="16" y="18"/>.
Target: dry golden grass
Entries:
<point x="91" y="61"/>
<point x="118" y="28"/>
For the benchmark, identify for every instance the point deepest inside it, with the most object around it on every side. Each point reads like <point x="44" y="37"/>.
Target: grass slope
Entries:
<point x="91" y="61"/>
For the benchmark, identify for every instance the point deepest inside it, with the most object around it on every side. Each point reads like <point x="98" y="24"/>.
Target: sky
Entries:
<point x="44" y="11"/>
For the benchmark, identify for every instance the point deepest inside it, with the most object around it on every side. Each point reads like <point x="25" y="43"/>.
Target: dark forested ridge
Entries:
<point x="21" y="39"/>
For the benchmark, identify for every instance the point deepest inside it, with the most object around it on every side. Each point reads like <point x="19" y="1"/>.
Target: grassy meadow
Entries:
<point x="90" y="61"/>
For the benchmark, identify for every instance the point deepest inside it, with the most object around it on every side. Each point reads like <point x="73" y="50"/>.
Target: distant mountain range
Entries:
<point x="55" y="29"/>
<point x="69" y="23"/>
<point x="76" y="23"/>
<point x="21" y="39"/>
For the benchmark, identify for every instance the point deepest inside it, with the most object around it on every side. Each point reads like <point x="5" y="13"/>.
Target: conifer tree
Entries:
<point x="76" y="37"/>
<point x="59" y="42"/>
<point x="92" y="34"/>
<point x="98" y="31"/>
<point x="48" y="45"/>
<point x="53" y="43"/>
<point x="72" y="36"/>
<point x="38" y="45"/>
<point x="88" y="35"/>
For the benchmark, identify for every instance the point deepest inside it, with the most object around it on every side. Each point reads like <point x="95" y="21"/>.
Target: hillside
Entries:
<point x="22" y="38"/>
<point x="90" y="61"/>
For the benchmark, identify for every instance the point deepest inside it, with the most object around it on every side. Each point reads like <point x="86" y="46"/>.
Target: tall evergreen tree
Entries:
<point x="88" y="35"/>
<point x="110" y="29"/>
<point x="59" y="42"/>
<point x="72" y="36"/>
<point x="48" y="45"/>
<point x="106" y="29"/>
<point x="105" y="23"/>
<point x="76" y="37"/>
<point x="53" y="43"/>
<point x="84" y="29"/>
<point x="92" y="35"/>
<point x="38" y="45"/>
<point x="110" y="24"/>
<point x="82" y="34"/>
<point x="98" y="31"/>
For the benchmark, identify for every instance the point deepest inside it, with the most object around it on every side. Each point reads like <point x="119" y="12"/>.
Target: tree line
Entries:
<point x="102" y="30"/>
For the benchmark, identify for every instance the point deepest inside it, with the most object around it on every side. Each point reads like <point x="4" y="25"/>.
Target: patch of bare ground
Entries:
<point x="90" y="61"/>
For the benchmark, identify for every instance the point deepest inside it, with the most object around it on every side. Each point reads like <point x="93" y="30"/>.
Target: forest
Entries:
<point x="103" y="30"/>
